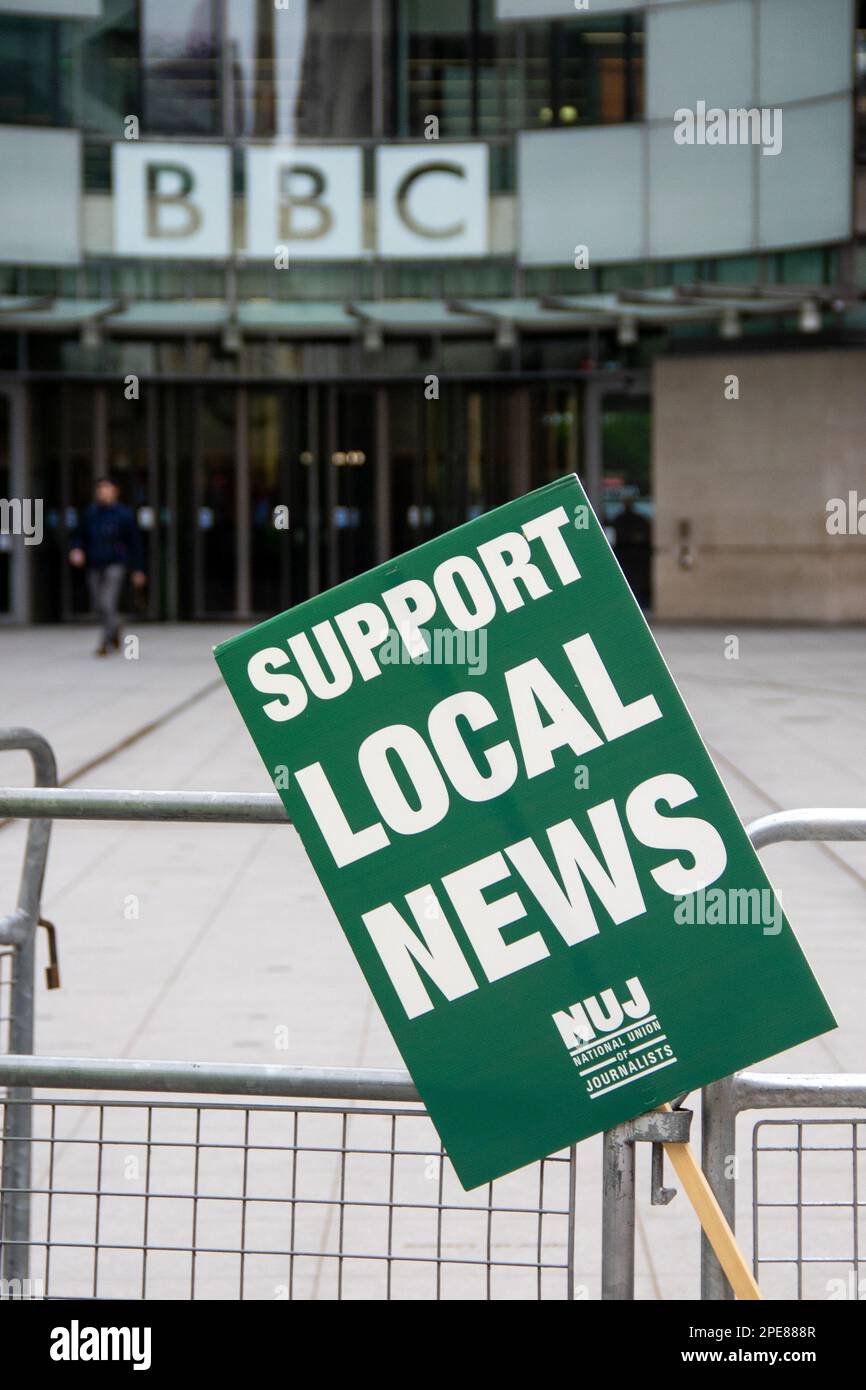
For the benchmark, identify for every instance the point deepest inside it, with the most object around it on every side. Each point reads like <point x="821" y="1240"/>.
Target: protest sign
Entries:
<point x="518" y="826"/>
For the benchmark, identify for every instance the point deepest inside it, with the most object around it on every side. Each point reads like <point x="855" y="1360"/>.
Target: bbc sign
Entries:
<point x="174" y="200"/>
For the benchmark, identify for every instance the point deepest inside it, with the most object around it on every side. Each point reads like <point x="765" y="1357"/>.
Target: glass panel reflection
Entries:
<point x="305" y="70"/>
<point x="180" y="66"/>
<point x="217" y="502"/>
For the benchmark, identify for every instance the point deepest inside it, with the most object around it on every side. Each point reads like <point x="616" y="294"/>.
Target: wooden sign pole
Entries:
<point x="712" y="1219"/>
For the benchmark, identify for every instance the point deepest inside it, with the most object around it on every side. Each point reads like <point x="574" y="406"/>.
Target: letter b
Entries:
<point x="288" y="230"/>
<point x="160" y="198"/>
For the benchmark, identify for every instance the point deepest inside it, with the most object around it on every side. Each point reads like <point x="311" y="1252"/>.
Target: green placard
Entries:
<point x="538" y="869"/>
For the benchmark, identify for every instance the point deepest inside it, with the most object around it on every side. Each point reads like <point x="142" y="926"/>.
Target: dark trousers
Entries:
<point x="104" y="587"/>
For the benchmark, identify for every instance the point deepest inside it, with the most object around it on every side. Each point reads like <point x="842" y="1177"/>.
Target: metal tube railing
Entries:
<point x="754" y="1090"/>
<point x="718" y="1147"/>
<point x="617" y="1216"/>
<point x="208" y="1078"/>
<point x="19" y="930"/>
<point x="64" y="803"/>
<point x="818" y="823"/>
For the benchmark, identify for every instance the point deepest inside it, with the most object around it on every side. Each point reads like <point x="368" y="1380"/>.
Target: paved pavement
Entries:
<point x="215" y="942"/>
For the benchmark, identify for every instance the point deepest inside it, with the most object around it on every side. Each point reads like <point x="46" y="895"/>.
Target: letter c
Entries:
<point x="402" y="200"/>
<point x="467" y="779"/>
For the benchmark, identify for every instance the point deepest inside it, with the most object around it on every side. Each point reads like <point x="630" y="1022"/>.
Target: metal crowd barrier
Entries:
<point x="340" y="1189"/>
<point x="752" y="1091"/>
<point x="17" y="979"/>
<point x="809" y="1267"/>
<point x="328" y="1202"/>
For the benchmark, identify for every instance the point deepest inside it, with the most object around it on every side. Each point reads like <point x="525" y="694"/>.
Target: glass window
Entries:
<point x="490" y="278"/>
<point x="216" y="501"/>
<point x="252" y="38"/>
<point x="107" y="51"/>
<point x="737" y="270"/>
<point x="97" y="166"/>
<point x="335" y="64"/>
<point x="303" y="70"/>
<point x="503" y="172"/>
<point x="51" y="576"/>
<point x="321" y="280"/>
<point x="451" y="59"/>
<point x="468" y="355"/>
<point x="676" y="273"/>
<point x="29" y="72"/>
<point x="40" y="279"/>
<point x="403" y="280"/>
<point x="583" y="72"/>
<point x="559" y="280"/>
<point x="432" y="67"/>
<point x="802" y="267"/>
<point x="623" y="277"/>
<point x="498" y="95"/>
<point x="555" y="439"/>
<point x="180" y="67"/>
<point x="268" y="544"/>
<point x="127" y="450"/>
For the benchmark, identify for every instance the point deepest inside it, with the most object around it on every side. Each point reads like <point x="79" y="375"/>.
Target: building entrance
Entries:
<point x="253" y="497"/>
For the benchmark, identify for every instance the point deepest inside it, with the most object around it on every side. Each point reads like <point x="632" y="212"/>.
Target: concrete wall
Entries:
<point x="753" y="478"/>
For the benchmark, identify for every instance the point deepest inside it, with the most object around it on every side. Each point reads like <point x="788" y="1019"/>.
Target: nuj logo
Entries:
<point x="602" y="1014"/>
<point x="614" y="1038"/>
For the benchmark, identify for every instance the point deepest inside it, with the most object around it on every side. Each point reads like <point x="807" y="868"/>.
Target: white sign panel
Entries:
<point x="432" y="200"/>
<point x="307" y="199"/>
<point x="806" y="193"/>
<point x="581" y="188"/>
<point x="40" y="175"/>
<point x="171" y="200"/>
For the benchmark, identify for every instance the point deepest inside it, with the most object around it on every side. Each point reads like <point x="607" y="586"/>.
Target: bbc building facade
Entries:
<point x="388" y="263"/>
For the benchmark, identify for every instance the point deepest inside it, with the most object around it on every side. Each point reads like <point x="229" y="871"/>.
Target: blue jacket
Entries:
<point x="109" y="536"/>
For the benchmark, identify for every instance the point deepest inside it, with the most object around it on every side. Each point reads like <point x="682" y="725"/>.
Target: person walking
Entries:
<point x="107" y="545"/>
